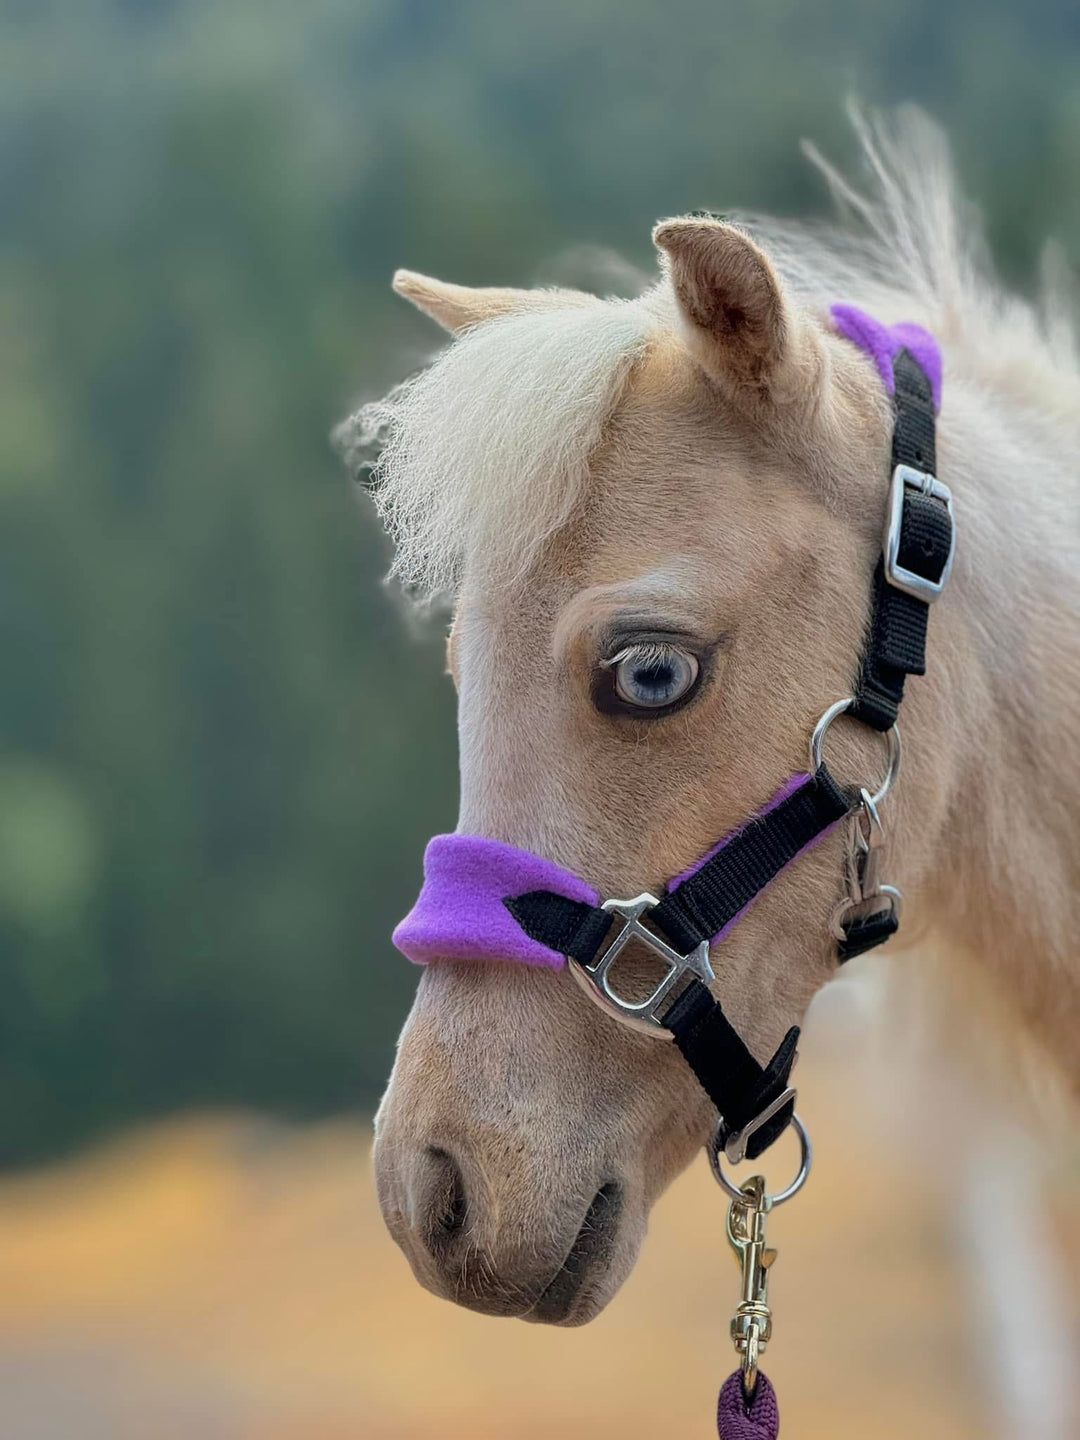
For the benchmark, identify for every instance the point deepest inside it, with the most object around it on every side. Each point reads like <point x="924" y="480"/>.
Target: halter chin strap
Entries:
<point x="485" y="900"/>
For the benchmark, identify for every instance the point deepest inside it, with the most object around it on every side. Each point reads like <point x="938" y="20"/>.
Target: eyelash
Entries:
<point x="651" y="656"/>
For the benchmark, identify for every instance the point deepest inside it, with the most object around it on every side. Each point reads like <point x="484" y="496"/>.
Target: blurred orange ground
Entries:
<point x="229" y="1279"/>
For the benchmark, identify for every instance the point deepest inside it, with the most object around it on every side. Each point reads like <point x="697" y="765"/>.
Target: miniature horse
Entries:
<point x="656" y="521"/>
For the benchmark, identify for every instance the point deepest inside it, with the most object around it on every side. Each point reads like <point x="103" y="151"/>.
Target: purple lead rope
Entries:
<point x="735" y="1420"/>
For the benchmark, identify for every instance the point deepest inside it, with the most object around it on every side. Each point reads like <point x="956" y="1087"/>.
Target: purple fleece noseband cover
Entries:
<point x="460" y="914"/>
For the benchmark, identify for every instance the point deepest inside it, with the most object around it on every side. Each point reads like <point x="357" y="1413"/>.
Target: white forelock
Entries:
<point x="486" y="451"/>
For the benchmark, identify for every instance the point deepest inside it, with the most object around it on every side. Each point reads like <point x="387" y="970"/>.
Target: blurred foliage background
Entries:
<point x="221" y="744"/>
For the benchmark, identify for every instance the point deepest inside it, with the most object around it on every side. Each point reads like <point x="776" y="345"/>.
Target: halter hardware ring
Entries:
<point x="806" y="1158"/>
<point x="892" y="740"/>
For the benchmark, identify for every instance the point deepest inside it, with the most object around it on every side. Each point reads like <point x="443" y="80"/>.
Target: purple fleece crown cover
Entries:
<point x="884" y="342"/>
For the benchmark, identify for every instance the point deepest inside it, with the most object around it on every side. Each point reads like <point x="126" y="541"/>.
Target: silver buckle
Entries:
<point x="866" y="894"/>
<point x="736" y="1143"/>
<point x="905" y="477"/>
<point x="595" y="978"/>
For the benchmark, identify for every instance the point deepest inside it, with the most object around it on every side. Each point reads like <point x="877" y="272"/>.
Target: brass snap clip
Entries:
<point x="751" y="1328"/>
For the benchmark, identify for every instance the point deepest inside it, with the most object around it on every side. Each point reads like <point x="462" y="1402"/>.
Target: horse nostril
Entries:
<point x="592" y="1248"/>
<point x="444" y="1207"/>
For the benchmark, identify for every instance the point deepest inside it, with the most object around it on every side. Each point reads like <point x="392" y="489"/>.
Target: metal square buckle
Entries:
<point x="736" y="1143"/>
<point x="643" y="1015"/>
<point x="905" y="478"/>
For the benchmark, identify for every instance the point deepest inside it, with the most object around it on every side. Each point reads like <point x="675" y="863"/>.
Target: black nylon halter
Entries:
<point x="754" y="1102"/>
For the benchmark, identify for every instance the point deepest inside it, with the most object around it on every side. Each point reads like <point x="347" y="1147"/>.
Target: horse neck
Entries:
<point x="1006" y="667"/>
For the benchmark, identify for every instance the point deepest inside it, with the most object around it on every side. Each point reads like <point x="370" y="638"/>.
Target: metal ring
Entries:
<point x="892" y="740"/>
<point x="806" y="1159"/>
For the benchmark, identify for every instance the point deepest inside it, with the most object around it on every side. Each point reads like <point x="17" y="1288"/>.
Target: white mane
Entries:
<point x="487" y="450"/>
<point x="913" y="249"/>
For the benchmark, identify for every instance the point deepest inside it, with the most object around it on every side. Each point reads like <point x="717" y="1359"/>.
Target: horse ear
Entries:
<point x="733" y="310"/>
<point x="458" y="307"/>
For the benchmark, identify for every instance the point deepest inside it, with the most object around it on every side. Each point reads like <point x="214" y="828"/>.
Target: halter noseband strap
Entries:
<point x="482" y="899"/>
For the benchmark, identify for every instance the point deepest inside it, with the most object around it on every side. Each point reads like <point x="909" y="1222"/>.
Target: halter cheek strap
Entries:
<point x="483" y="900"/>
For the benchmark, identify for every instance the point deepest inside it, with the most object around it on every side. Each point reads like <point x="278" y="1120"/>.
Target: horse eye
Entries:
<point x="652" y="676"/>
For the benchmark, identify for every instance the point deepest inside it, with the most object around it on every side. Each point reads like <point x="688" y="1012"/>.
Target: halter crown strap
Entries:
<point x="918" y="549"/>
